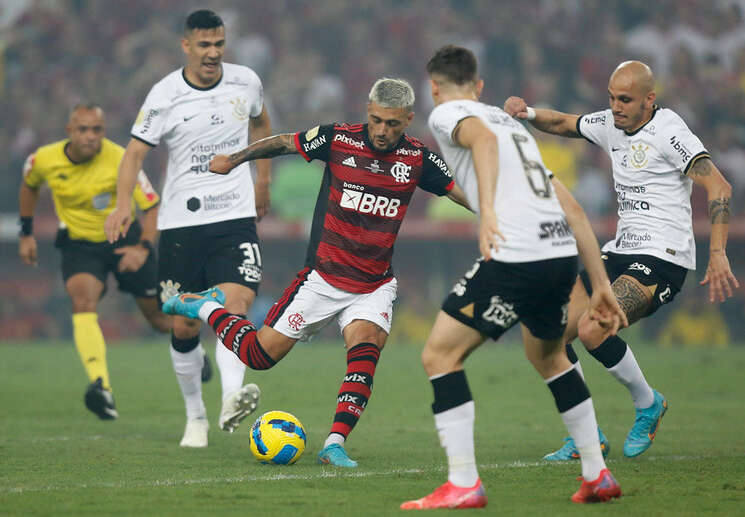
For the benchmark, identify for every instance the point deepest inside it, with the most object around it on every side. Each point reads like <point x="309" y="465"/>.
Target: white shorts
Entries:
<point x="310" y="302"/>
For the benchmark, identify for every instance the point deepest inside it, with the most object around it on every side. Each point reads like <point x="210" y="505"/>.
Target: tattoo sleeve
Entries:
<point x="719" y="211"/>
<point x="632" y="298"/>
<point x="701" y="167"/>
<point x="266" y="148"/>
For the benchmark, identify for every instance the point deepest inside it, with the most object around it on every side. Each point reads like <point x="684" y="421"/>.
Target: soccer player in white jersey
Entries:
<point x="207" y="222"/>
<point x="655" y="160"/>
<point x="527" y="228"/>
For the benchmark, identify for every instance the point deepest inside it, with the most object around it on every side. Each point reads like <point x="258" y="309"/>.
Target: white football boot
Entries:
<point x="237" y="405"/>
<point x="195" y="434"/>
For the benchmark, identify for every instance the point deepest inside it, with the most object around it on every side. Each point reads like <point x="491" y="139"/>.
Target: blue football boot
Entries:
<point x="188" y="304"/>
<point x="334" y="454"/>
<point x="569" y="450"/>
<point x="645" y="426"/>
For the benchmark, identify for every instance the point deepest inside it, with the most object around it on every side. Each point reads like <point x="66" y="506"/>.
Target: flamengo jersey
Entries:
<point x="84" y="193"/>
<point x="528" y="212"/>
<point x="196" y="124"/>
<point x="653" y="191"/>
<point x="362" y="202"/>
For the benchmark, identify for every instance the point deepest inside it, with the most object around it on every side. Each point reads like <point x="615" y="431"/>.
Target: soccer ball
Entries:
<point x="277" y="437"/>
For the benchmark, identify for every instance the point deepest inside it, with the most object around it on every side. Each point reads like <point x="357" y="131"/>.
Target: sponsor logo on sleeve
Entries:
<point x="681" y="149"/>
<point x="594" y="119"/>
<point x="440" y="164"/>
<point x="314" y="144"/>
<point x="147" y="121"/>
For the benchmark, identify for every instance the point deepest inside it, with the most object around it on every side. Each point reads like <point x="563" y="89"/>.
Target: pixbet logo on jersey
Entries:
<point x="367" y="203"/>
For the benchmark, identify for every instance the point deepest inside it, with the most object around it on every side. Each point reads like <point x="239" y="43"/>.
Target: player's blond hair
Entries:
<point x="392" y="93"/>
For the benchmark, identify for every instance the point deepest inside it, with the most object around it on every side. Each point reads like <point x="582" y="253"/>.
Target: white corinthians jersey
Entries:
<point x="653" y="191"/>
<point x="528" y="212"/>
<point x="196" y="124"/>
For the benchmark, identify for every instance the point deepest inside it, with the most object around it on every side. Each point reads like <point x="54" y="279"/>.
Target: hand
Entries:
<point x="27" y="250"/>
<point x="516" y="107"/>
<point x="133" y="257"/>
<point x="263" y="200"/>
<point x="117" y="224"/>
<point x="221" y="164"/>
<point x="488" y="232"/>
<point x="605" y="310"/>
<point x="718" y="276"/>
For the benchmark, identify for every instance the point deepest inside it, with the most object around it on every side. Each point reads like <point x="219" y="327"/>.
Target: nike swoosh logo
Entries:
<point x="187" y="119"/>
<point x="614" y="149"/>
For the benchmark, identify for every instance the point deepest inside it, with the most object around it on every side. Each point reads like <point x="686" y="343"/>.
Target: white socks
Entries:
<point x="583" y="428"/>
<point x="188" y="368"/>
<point x="628" y="373"/>
<point x="334" y="438"/>
<point x="455" y="428"/>
<point x="231" y="368"/>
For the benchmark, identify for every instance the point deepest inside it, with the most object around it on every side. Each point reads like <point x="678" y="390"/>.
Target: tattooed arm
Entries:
<point x="265" y="148"/>
<point x="718" y="273"/>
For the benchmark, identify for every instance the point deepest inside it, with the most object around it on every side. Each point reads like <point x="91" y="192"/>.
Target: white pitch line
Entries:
<point x="323" y="474"/>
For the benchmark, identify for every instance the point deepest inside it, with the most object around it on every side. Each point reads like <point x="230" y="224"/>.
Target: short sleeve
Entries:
<point x="445" y="118"/>
<point x="257" y="94"/>
<point x="594" y="127"/>
<point x="680" y="147"/>
<point x="150" y="124"/>
<point x="144" y="194"/>
<point x="32" y="175"/>
<point x="315" y="144"/>
<point x="436" y="176"/>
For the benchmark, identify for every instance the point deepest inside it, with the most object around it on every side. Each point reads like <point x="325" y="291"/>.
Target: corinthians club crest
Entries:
<point x="240" y="111"/>
<point x="639" y="155"/>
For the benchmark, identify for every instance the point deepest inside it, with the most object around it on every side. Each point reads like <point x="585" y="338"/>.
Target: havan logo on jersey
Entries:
<point x="315" y="143"/>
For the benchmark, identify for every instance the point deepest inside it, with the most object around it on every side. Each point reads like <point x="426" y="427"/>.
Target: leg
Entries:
<point x="575" y="406"/>
<point x="636" y="300"/>
<point x="148" y="306"/>
<point x="85" y="290"/>
<point x="187" y="356"/>
<point x="238" y="401"/>
<point x="447" y="346"/>
<point x="364" y="342"/>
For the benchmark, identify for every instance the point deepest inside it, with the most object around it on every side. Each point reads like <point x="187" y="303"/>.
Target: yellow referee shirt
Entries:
<point x="84" y="193"/>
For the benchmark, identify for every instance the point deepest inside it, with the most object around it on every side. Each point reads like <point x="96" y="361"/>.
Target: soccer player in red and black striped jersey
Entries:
<point x="371" y="173"/>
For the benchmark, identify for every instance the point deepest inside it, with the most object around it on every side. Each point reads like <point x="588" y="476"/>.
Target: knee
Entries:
<point x="589" y="332"/>
<point x="84" y="303"/>
<point x="184" y="328"/>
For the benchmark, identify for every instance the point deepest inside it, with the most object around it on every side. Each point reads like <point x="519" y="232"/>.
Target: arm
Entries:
<point x="27" y="198"/>
<point x="270" y="147"/>
<point x="548" y="121"/>
<point x="133" y="257"/>
<point x="118" y="221"/>
<point x="261" y="127"/>
<point x="603" y="304"/>
<point x="472" y="134"/>
<point x="718" y="273"/>
<point x="457" y="195"/>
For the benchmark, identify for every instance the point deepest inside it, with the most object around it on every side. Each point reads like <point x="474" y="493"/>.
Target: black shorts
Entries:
<point x="648" y="271"/>
<point x="99" y="259"/>
<point x="199" y="257"/>
<point x="492" y="296"/>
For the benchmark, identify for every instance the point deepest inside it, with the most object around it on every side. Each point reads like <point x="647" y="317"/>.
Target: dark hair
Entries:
<point x="86" y="105"/>
<point x="455" y="64"/>
<point x="202" y="19"/>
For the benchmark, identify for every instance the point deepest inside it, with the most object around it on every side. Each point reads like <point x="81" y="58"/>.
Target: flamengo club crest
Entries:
<point x="400" y="172"/>
<point x="295" y="320"/>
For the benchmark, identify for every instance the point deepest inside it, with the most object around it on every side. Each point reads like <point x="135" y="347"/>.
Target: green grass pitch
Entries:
<point x="56" y="458"/>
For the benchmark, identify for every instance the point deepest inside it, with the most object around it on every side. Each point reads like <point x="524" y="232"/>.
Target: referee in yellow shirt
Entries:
<point x="81" y="172"/>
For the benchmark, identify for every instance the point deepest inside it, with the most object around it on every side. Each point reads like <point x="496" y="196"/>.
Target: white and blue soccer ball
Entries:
<point x="277" y="437"/>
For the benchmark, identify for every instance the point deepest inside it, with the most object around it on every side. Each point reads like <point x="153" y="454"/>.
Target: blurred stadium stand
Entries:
<point x="317" y="61"/>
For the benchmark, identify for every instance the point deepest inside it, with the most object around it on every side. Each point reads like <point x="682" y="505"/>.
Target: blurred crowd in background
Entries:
<point x="317" y="61"/>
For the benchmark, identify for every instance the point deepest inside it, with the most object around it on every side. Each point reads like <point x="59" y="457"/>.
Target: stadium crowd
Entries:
<point x="317" y="59"/>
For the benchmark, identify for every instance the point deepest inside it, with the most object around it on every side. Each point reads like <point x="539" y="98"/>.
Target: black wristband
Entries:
<point x="27" y="226"/>
<point x="147" y="245"/>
